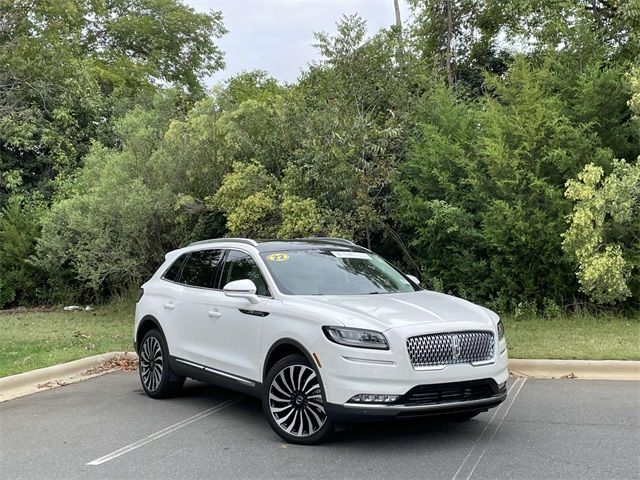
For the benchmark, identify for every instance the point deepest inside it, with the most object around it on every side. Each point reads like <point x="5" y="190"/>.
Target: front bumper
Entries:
<point x="426" y="400"/>
<point x="348" y="371"/>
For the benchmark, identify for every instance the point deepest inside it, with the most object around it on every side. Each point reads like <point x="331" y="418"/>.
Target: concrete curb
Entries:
<point x="582" y="369"/>
<point x="62" y="374"/>
<point x="34" y="381"/>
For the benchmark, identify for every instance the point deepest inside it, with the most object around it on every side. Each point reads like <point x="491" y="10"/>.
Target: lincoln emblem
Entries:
<point x="455" y="346"/>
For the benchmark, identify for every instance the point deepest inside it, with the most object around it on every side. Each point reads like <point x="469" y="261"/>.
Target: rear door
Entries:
<point x="196" y="306"/>
<point x="170" y="295"/>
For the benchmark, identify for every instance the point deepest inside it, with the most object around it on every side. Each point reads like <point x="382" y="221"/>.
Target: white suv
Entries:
<point x="322" y="330"/>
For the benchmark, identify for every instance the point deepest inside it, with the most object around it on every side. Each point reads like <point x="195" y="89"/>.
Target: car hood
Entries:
<point x="385" y="311"/>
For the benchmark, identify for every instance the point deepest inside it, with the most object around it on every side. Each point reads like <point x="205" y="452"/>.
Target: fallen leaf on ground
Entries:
<point x="123" y="364"/>
<point x="51" y="384"/>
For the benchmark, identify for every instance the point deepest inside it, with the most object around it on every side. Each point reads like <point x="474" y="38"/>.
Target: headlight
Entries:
<point x="500" y="331"/>
<point x="356" y="337"/>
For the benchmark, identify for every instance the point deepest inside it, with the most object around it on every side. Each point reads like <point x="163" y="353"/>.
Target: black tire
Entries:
<point x="156" y="376"/>
<point x="293" y="401"/>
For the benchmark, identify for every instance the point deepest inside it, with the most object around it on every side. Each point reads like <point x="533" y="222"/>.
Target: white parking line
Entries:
<point x="494" y="432"/>
<point x="164" y="431"/>
<point x="508" y="404"/>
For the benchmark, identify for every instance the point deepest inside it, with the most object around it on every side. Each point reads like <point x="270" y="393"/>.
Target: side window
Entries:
<point x="240" y="266"/>
<point x="200" y="268"/>
<point x="173" y="271"/>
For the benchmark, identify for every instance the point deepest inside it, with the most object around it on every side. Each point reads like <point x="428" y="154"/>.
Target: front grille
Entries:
<point x="450" y="392"/>
<point x="439" y="349"/>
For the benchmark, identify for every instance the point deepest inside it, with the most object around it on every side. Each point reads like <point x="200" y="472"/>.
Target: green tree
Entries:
<point x="257" y="204"/>
<point x="450" y="36"/>
<point x="485" y="184"/>
<point x="435" y="206"/>
<point x="353" y="107"/>
<point x="68" y="67"/>
<point x="604" y="232"/>
<point x="111" y="224"/>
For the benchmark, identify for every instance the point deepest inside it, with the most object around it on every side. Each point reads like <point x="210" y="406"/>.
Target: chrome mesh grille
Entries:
<point x="450" y="348"/>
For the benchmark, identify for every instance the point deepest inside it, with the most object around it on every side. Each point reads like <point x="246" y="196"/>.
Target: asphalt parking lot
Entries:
<point x="106" y="427"/>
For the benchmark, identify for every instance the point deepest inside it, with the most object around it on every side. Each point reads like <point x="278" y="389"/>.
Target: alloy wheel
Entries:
<point x="295" y="401"/>
<point x="151" y="363"/>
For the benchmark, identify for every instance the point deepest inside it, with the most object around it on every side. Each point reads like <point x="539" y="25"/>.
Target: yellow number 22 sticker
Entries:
<point x="278" y="257"/>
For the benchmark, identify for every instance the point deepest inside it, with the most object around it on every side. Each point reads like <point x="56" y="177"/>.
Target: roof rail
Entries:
<point x="248" y="241"/>
<point x="341" y="241"/>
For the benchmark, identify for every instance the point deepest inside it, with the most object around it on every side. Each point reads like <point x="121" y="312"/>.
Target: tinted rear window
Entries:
<point x="200" y="268"/>
<point x="173" y="272"/>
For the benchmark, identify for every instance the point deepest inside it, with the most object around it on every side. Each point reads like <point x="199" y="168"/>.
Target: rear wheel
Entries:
<point x="294" y="402"/>
<point x="155" y="374"/>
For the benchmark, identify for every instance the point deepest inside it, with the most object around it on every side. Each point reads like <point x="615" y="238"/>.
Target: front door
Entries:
<point x="235" y="334"/>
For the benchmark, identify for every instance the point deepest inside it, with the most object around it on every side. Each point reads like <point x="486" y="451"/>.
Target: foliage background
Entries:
<point x="490" y="147"/>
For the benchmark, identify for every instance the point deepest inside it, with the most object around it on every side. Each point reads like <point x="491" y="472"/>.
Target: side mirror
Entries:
<point x="242" y="289"/>
<point x="413" y="278"/>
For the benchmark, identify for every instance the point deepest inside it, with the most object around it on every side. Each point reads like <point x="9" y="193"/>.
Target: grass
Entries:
<point x="35" y="339"/>
<point x="577" y="336"/>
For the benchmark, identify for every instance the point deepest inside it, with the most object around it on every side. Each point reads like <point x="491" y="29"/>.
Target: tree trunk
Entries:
<point x="449" y="40"/>
<point x="400" y="48"/>
<point x="396" y="4"/>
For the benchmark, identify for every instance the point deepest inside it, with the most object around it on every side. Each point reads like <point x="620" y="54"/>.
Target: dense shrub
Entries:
<point x="20" y="278"/>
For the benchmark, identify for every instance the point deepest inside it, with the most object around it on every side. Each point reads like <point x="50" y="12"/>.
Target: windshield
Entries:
<point x="329" y="272"/>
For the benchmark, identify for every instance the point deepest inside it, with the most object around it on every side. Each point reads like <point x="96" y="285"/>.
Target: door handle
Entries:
<point x="215" y="313"/>
<point x="169" y="306"/>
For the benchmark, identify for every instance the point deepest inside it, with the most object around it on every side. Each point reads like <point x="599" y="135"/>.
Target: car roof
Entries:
<point x="274" y="245"/>
<point x="306" y="244"/>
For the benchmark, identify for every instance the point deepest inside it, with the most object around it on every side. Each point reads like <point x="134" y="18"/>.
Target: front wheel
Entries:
<point x="294" y="402"/>
<point x="155" y="374"/>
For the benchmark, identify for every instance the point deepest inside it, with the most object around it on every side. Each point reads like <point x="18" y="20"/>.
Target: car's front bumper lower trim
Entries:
<point x="435" y="406"/>
<point x="352" y="412"/>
